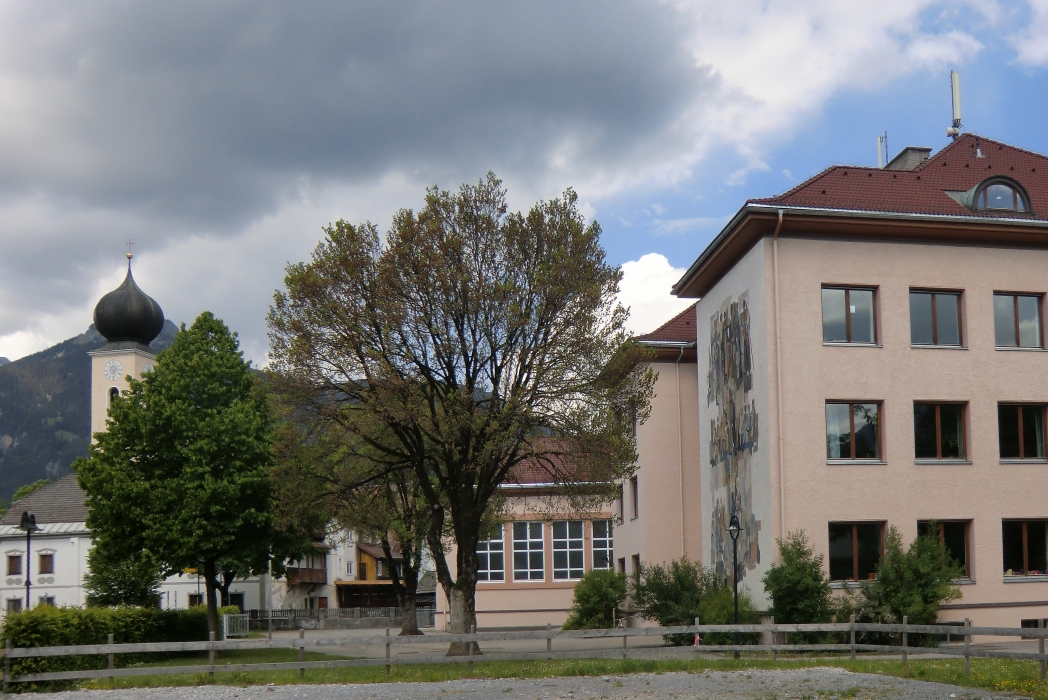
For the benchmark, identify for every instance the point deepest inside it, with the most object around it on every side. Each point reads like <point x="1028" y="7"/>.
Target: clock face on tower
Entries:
<point x="112" y="370"/>
<point x="147" y="367"/>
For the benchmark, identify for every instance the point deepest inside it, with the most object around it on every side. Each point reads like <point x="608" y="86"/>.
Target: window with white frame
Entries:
<point x="568" y="555"/>
<point x="528" y="556"/>
<point x="603" y="544"/>
<point x="491" y="557"/>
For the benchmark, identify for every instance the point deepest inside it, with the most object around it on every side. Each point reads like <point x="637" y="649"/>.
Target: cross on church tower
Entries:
<point x="129" y="244"/>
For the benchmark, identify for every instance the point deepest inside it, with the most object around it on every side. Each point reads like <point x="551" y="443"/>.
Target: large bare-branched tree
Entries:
<point x="469" y="344"/>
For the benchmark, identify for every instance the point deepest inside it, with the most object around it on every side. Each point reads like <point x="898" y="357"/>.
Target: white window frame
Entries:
<point x="495" y="546"/>
<point x="604" y="544"/>
<point x="567" y="548"/>
<point x="532" y="545"/>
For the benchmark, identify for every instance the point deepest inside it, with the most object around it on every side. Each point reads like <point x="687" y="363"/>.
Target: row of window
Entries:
<point x="856" y="548"/>
<point x="45" y="564"/>
<point x="15" y="604"/>
<point x="529" y="550"/>
<point x="849" y="316"/>
<point x="854" y="430"/>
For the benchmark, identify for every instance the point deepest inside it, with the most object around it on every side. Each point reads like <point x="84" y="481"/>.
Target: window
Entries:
<point x="635" y="560"/>
<point x="528" y="563"/>
<point x="47" y="600"/>
<point x="195" y="599"/>
<point x="855" y="549"/>
<point x="46" y="564"/>
<point x="938" y="430"/>
<point x="14" y="605"/>
<point x="851" y="431"/>
<point x="847" y="315"/>
<point x="1001" y="196"/>
<point x="602" y="544"/>
<point x="953" y="534"/>
<point x="491" y="557"/>
<point x="363" y="571"/>
<point x="568" y="555"/>
<point x="14" y="564"/>
<point x="1025" y="547"/>
<point x="622" y="504"/>
<point x="114" y="393"/>
<point x="349" y="568"/>
<point x="1020" y="430"/>
<point x="935" y="318"/>
<point x="634" y="497"/>
<point x="237" y="599"/>
<point x="1017" y="320"/>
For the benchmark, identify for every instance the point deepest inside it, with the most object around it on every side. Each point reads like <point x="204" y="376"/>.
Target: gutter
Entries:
<point x="773" y="209"/>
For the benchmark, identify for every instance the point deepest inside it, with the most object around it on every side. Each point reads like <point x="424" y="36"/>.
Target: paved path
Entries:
<point x="824" y="683"/>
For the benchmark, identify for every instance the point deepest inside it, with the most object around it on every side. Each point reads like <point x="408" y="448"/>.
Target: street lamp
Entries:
<point x="29" y="525"/>
<point x="734" y="529"/>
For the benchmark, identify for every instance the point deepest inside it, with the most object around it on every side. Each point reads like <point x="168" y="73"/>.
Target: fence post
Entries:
<point x="111" y="659"/>
<point x="302" y="653"/>
<point x="211" y="654"/>
<point x="852" y="623"/>
<point x="698" y="637"/>
<point x="967" y="641"/>
<point x="624" y="643"/>
<point x="549" y="641"/>
<point x="774" y="634"/>
<point x="7" y="665"/>
<point x="387" y="650"/>
<point x="1040" y="646"/>
<point x="905" y="641"/>
<point x="469" y="647"/>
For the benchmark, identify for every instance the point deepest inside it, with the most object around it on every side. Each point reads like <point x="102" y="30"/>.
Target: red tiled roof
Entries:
<point x="679" y="329"/>
<point x="955" y="168"/>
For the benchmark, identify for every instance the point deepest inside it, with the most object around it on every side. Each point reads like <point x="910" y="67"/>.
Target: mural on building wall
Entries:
<point x="734" y="436"/>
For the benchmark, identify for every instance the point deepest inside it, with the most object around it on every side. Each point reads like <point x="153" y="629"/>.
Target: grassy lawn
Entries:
<point x="1004" y="675"/>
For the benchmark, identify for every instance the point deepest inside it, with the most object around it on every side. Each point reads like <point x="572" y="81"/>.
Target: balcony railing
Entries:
<point x="296" y="575"/>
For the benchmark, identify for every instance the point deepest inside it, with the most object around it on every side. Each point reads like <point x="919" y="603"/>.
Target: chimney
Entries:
<point x="909" y="158"/>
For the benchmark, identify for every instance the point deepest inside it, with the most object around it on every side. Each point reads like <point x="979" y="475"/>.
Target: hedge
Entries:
<point x="45" y="626"/>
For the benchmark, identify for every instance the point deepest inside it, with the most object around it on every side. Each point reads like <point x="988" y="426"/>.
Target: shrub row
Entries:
<point x="45" y="626"/>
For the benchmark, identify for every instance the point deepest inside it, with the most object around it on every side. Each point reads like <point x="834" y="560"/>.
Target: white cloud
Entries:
<point x="1031" y="44"/>
<point x="645" y="289"/>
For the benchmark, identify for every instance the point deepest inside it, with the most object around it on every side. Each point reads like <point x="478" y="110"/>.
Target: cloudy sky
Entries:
<point x="221" y="136"/>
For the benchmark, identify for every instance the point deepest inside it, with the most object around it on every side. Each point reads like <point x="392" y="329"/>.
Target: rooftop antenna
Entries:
<point x="882" y="150"/>
<point x="955" y="91"/>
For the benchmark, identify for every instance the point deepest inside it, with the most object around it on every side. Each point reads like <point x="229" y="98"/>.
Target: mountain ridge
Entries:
<point x="45" y="408"/>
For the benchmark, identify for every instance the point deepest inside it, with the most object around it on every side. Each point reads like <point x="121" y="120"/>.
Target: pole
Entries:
<point x="735" y="587"/>
<point x="7" y="666"/>
<point x="1040" y="646"/>
<point x="774" y="634"/>
<point x="469" y="646"/>
<point x="852" y="623"/>
<point x="211" y="654"/>
<point x="967" y="640"/>
<point x="905" y="641"/>
<point x="302" y="652"/>
<point x="28" y="559"/>
<point x="549" y="641"/>
<point x="387" y="650"/>
<point x="111" y="659"/>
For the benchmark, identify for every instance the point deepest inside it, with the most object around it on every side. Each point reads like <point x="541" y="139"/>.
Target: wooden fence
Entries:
<point x="770" y="631"/>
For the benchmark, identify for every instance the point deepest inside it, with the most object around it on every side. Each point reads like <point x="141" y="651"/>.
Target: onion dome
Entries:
<point x="128" y="314"/>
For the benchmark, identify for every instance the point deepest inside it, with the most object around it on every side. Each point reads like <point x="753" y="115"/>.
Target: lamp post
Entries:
<point x="29" y="525"/>
<point x="734" y="529"/>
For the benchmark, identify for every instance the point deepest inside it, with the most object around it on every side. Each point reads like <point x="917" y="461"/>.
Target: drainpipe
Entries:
<point x="778" y="375"/>
<point x="680" y="449"/>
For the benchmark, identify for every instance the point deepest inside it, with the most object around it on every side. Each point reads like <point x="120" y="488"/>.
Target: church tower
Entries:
<point x="129" y="319"/>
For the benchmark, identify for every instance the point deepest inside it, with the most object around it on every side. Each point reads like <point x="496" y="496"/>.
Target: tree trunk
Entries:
<point x="211" y="586"/>
<point x="223" y="586"/>
<point x="405" y="584"/>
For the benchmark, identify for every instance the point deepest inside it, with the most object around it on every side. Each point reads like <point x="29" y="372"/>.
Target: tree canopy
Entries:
<point x="469" y="344"/>
<point x="182" y="470"/>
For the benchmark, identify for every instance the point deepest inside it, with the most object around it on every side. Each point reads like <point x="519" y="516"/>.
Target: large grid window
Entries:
<point x="938" y="431"/>
<point x="1025" y="547"/>
<point x="568" y="555"/>
<point x="1020" y="431"/>
<point x="1017" y="321"/>
<point x="603" y="544"/>
<point x="47" y="564"/>
<point x="855" y="550"/>
<point x="935" y="318"/>
<point x="491" y="557"/>
<point x="852" y="431"/>
<point x="953" y="534"/>
<point x="528" y="560"/>
<point x="14" y="564"/>
<point x="848" y="315"/>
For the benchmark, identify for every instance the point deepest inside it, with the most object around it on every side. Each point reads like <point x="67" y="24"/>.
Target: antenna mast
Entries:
<point x="882" y="150"/>
<point x="955" y="92"/>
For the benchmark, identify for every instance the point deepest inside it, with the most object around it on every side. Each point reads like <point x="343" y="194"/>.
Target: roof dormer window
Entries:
<point x="1001" y="196"/>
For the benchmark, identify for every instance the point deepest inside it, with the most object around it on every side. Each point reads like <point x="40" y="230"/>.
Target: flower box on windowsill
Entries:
<point x="1040" y="577"/>
<point x="856" y="461"/>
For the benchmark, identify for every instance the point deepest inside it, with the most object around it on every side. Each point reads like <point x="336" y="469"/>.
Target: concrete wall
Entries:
<point x="902" y="491"/>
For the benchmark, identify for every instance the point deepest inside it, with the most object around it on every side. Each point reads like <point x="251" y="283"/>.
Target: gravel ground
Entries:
<point x="814" y="683"/>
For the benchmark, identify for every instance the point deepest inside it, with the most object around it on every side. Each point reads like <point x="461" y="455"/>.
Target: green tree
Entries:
<point x="116" y="579"/>
<point x="797" y="585"/>
<point x="597" y="595"/>
<point x="678" y="593"/>
<point x="467" y="343"/>
<point x="182" y="469"/>
<point x="23" y="491"/>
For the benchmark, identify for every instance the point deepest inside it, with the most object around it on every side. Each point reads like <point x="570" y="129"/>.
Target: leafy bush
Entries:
<point x="677" y="594"/>
<point x="798" y="586"/>
<point x="45" y="626"/>
<point x="912" y="583"/>
<point x="597" y="594"/>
